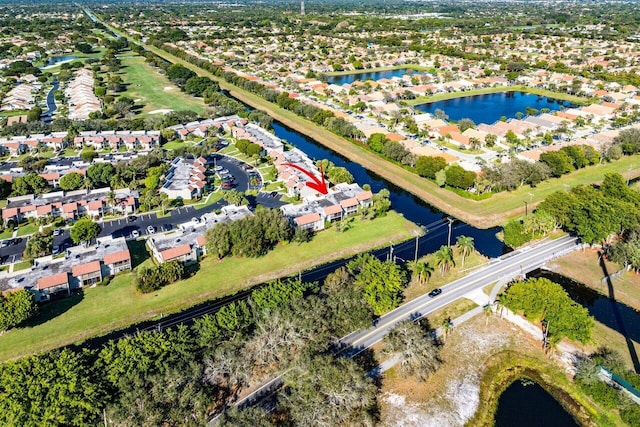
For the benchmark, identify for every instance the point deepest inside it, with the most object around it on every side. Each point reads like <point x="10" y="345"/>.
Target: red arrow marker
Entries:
<point x="319" y="186"/>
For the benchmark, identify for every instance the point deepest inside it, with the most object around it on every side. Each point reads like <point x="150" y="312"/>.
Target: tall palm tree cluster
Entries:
<point x="444" y="259"/>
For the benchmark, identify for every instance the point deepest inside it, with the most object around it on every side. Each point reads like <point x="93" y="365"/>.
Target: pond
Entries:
<point x="489" y="108"/>
<point x="57" y="59"/>
<point x="526" y="404"/>
<point x="368" y="75"/>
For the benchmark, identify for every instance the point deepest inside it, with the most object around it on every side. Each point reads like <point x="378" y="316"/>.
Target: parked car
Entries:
<point x="132" y="218"/>
<point x="196" y="220"/>
<point x="226" y="186"/>
<point x="57" y="232"/>
<point x="435" y="293"/>
<point x="56" y="249"/>
<point x="135" y="234"/>
<point x="151" y="229"/>
<point x="4" y="244"/>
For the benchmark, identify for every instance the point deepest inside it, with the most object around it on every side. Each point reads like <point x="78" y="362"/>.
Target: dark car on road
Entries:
<point x="435" y="293"/>
<point x="132" y="218"/>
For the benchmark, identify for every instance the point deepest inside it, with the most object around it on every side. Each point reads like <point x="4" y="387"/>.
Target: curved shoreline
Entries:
<point x="502" y="369"/>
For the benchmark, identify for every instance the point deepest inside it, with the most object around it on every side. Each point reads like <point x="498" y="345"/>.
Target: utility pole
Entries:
<point x="415" y="256"/>
<point x="449" y="238"/>
<point x="391" y="252"/>
<point x="526" y="209"/>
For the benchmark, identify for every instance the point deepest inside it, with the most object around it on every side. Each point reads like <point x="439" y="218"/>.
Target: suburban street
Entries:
<point x="506" y="267"/>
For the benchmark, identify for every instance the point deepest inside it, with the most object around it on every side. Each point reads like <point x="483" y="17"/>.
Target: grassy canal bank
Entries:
<point x="102" y="309"/>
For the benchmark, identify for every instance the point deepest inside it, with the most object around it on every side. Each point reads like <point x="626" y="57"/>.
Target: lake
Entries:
<point x="57" y="59"/>
<point x="368" y="75"/>
<point x="527" y="404"/>
<point x="488" y="108"/>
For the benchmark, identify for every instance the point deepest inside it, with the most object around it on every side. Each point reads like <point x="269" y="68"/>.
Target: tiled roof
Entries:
<point x="117" y="257"/>
<point x="86" y="268"/>
<point x="176" y="252"/>
<point x="308" y="219"/>
<point x="51" y="281"/>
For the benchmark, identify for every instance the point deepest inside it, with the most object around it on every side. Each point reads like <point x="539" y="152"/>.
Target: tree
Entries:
<point x="418" y="352"/>
<point x="179" y="74"/>
<point x="16" y="307"/>
<point x="456" y="176"/>
<point x="422" y="271"/>
<point x="559" y="162"/>
<point x="465" y="124"/>
<point x="381" y="282"/>
<point x="39" y="244"/>
<point x="84" y="230"/>
<point x="329" y="391"/>
<point x="444" y="259"/>
<point x="54" y="388"/>
<point x="428" y="166"/>
<point x="100" y="174"/>
<point x="71" y="181"/>
<point x="542" y="300"/>
<point x="465" y="246"/>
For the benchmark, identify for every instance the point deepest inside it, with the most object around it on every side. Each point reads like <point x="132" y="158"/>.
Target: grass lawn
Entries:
<point x="22" y="265"/>
<point x="153" y="89"/>
<point x="30" y="228"/>
<point x="103" y="309"/>
<point x="8" y="232"/>
<point x="13" y="113"/>
<point x="68" y="152"/>
<point x="486" y="213"/>
<point x="172" y="145"/>
<point x="518" y="88"/>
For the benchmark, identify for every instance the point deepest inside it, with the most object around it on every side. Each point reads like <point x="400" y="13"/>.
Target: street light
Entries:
<point x="449" y="238"/>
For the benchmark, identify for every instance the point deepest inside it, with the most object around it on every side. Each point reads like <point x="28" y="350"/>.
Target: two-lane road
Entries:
<point x="506" y="267"/>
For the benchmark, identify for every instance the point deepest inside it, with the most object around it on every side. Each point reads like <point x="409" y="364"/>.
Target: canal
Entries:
<point x="413" y="208"/>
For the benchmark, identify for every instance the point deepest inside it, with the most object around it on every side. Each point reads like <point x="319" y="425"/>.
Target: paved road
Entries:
<point x="506" y="267"/>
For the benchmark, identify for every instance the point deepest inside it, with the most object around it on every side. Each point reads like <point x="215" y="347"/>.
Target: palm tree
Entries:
<point x="444" y="259"/>
<point x="422" y="270"/>
<point x="465" y="246"/>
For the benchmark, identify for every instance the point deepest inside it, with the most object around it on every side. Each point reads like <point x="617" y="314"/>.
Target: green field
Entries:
<point x="102" y="309"/>
<point x="153" y="89"/>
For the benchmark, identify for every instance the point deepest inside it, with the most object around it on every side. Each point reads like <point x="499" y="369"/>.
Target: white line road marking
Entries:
<point x="490" y="275"/>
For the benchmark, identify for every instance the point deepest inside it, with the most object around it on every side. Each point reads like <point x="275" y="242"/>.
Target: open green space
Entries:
<point x="486" y="213"/>
<point x="578" y="100"/>
<point x="153" y="89"/>
<point x="27" y="229"/>
<point x="22" y="265"/>
<point x="102" y="309"/>
<point x="13" y="113"/>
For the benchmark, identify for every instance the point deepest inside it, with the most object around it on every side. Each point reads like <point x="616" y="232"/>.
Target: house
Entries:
<point x="52" y="285"/>
<point x="182" y="253"/>
<point x="87" y="274"/>
<point x="312" y="221"/>
<point x="117" y="262"/>
<point x="350" y="206"/>
<point x="332" y="213"/>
